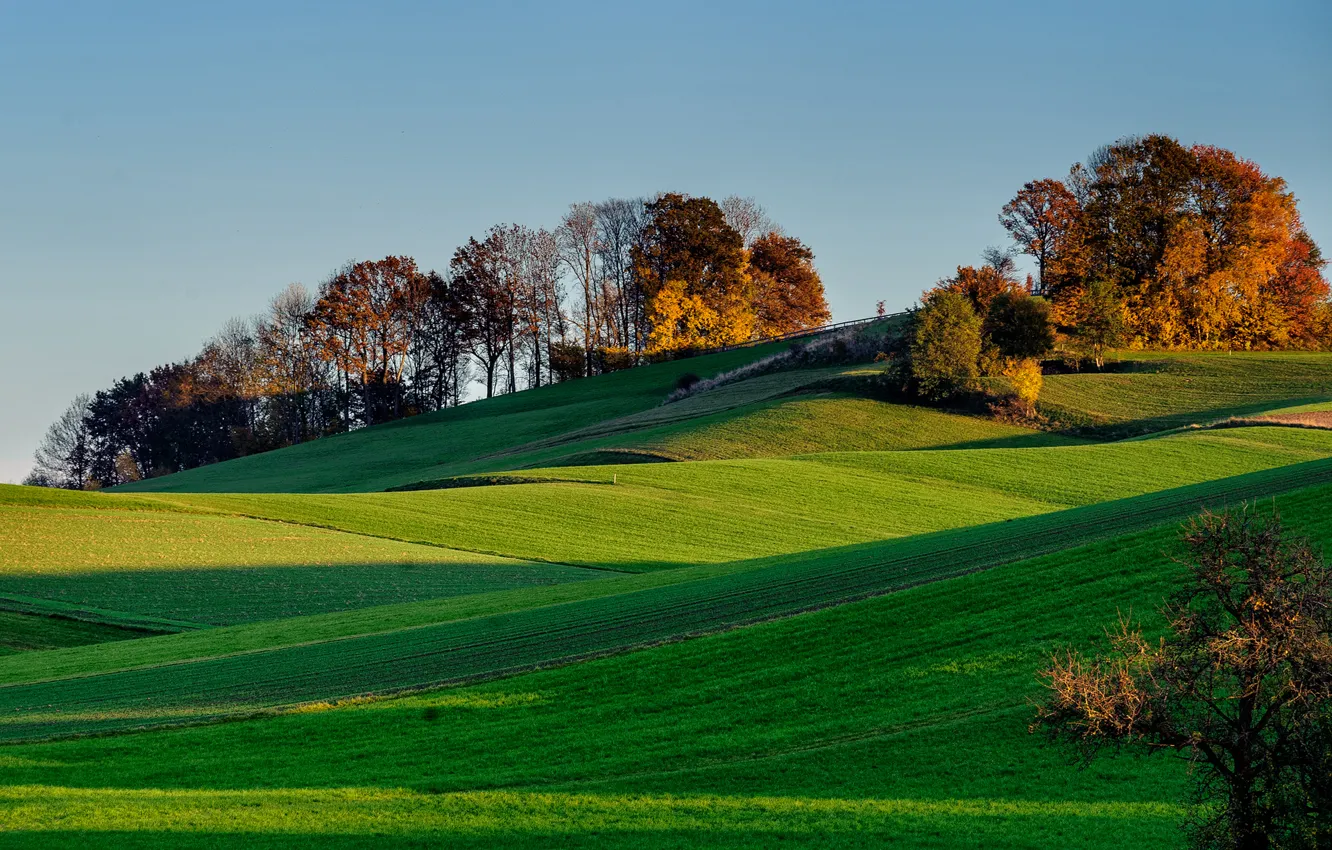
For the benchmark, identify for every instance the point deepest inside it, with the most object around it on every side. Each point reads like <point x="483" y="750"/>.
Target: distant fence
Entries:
<point x="821" y="329"/>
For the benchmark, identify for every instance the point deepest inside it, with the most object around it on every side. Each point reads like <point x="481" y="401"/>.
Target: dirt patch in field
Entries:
<point x="1310" y="419"/>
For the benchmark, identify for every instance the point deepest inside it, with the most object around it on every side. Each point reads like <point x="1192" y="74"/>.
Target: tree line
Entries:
<point x="1148" y="244"/>
<point x="613" y="285"/>
<point x="1195" y="246"/>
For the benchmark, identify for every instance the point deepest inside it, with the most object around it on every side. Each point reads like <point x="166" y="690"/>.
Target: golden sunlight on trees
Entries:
<point x="692" y="267"/>
<point x="788" y="293"/>
<point x="1203" y="249"/>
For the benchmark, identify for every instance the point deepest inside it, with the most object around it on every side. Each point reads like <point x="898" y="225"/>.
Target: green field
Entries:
<point x="817" y="622"/>
<point x="901" y="716"/>
<point x="211" y="569"/>
<point x="660" y="516"/>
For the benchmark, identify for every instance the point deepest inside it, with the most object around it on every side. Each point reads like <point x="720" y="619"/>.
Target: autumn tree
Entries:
<point x="1025" y="377"/>
<point x="980" y="286"/>
<point x="946" y="345"/>
<point x="1241" y="686"/>
<point x="363" y="323"/>
<point x="1205" y="249"/>
<point x="691" y="265"/>
<point x="788" y="293"/>
<point x="1043" y="220"/>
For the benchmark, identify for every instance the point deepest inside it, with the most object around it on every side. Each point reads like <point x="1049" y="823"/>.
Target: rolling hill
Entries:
<point x="815" y="620"/>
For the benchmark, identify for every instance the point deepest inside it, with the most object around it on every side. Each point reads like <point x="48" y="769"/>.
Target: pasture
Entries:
<point x="817" y="622"/>
<point x="901" y="717"/>
<point x="209" y="569"/>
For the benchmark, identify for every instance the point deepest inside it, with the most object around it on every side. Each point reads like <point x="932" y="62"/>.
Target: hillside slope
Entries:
<point x="100" y="552"/>
<point x="900" y="719"/>
<point x="512" y="641"/>
<point x="385" y="455"/>
<point x="661" y="516"/>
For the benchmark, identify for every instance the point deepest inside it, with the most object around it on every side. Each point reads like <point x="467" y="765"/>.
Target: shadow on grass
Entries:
<point x="229" y="595"/>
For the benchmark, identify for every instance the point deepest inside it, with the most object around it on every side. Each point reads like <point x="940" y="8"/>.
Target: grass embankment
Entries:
<point x="444" y="442"/>
<point x="21" y="632"/>
<point x="97" y="550"/>
<point x="516" y="640"/>
<point x="669" y="515"/>
<point x="1155" y="391"/>
<point x="898" y="719"/>
<point x="620" y="418"/>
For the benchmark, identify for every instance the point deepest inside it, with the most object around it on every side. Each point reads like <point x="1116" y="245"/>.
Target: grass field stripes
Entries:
<point x="529" y="639"/>
<point x="87" y="614"/>
<point x="24" y="634"/>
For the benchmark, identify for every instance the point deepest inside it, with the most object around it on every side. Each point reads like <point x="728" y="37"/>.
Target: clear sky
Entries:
<point x="165" y="167"/>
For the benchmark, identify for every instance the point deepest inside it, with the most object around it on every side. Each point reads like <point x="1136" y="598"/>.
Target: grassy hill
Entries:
<point x="818" y="624"/>
<point x="621" y="418"/>
<point x="660" y="516"/>
<point x="600" y="618"/>
<point x="1159" y="390"/>
<point x="902" y="717"/>
<point x="397" y="452"/>
<point x="208" y="569"/>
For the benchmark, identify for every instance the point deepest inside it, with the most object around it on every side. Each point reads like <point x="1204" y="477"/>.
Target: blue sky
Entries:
<point x="165" y="167"/>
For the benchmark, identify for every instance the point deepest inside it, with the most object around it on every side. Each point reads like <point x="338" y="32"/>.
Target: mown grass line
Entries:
<point x="534" y="638"/>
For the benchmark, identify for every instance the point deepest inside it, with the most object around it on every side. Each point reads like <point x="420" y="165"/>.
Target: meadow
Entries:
<point x="902" y="718"/>
<point x="599" y="623"/>
<point x="817" y="620"/>
<point x="660" y="516"/>
<point x="205" y="569"/>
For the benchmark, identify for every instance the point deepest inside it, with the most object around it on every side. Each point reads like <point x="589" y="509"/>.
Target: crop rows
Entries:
<point x="505" y="643"/>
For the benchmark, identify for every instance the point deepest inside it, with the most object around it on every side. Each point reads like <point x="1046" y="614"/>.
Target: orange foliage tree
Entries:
<point x="788" y="293"/>
<point x="1205" y="249"/>
<point x="363" y="324"/>
<point x="1044" y="220"/>
<point x="980" y="286"/>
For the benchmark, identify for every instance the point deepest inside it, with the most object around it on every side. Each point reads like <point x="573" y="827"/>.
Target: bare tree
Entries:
<point x="229" y="367"/>
<point x="579" y="249"/>
<point x="541" y="318"/>
<point x="748" y="218"/>
<point x="1240" y="686"/>
<point x="291" y="376"/>
<point x="64" y="456"/>
<point x="1001" y="261"/>
<point x="620" y="223"/>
